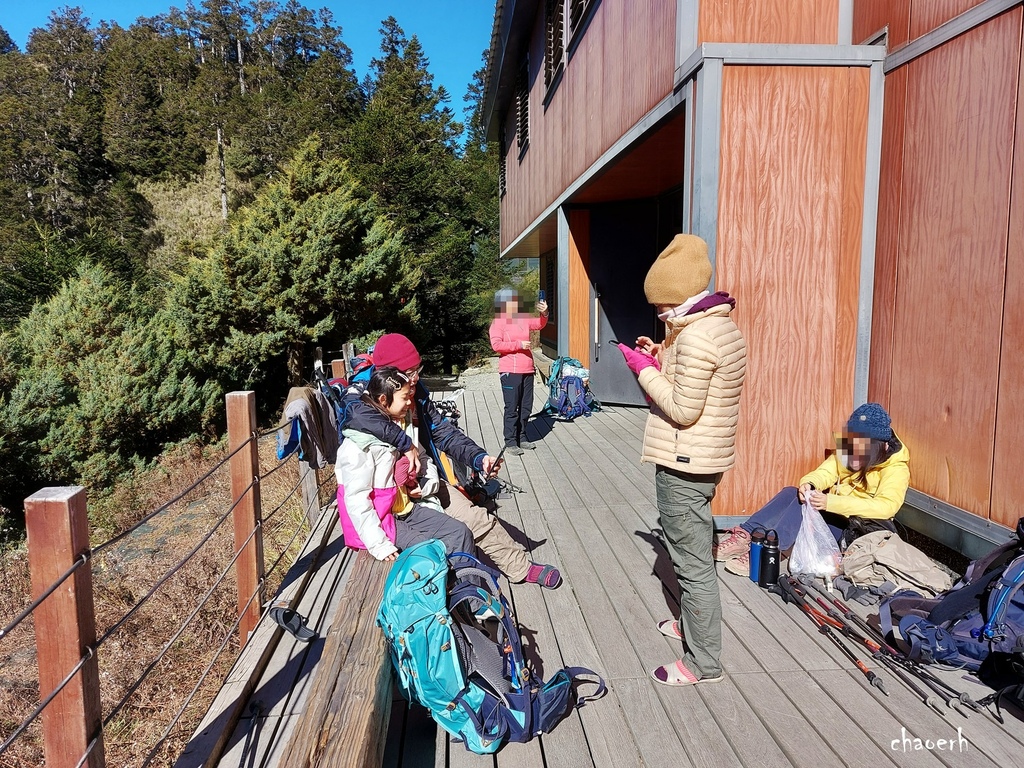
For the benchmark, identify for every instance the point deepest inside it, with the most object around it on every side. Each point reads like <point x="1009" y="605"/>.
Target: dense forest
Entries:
<point x="189" y="204"/>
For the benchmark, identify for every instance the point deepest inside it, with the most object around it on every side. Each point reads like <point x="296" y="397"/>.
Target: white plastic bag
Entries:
<point x="815" y="551"/>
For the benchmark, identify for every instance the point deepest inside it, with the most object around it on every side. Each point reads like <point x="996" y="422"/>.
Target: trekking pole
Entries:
<point x="933" y="681"/>
<point x="790" y="594"/>
<point x="909" y="665"/>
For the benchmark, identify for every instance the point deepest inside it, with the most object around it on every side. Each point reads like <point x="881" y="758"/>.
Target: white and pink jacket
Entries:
<point x="507" y="337"/>
<point x="365" y="469"/>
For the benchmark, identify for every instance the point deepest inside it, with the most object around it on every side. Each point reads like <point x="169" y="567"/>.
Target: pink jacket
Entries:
<point x="507" y="337"/>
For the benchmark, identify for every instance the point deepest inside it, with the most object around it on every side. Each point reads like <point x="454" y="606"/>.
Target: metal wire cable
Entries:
<point x="284" y="501"/>
<point x="163" y="580"/>
<point x="202" y="679"/>
<point x="164" y="507"/>
<point x="82" y="560"/>
<point x="284" y="550"/>
<point x="89" y="653"/>
<point x="167" y="646"/>
<point x="272" y="430"/>
<point x="280" y="464"/>
<point x="88" y="750"/>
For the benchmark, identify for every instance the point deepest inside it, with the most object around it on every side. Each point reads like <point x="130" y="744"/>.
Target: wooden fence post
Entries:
<point x="57" y="525"/>
<point x="310" y="487"/>
<point x="245" y="470"/>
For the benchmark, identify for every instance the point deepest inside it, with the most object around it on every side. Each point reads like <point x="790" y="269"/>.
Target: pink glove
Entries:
<point x="403" y="477"/>
<point x="637" y="360"/>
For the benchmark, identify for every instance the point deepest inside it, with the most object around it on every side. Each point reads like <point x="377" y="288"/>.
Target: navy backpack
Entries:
<point x="568" y="394"/>
<point x="982" y="614"/>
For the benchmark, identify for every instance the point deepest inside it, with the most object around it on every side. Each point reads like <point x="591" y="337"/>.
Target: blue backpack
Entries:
<point x="982" y="614"/>
<point x="476" y="686"/>
<point x="568" y="394"/>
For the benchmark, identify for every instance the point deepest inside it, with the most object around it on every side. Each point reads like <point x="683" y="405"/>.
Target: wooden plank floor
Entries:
<point x="789" y="698"/>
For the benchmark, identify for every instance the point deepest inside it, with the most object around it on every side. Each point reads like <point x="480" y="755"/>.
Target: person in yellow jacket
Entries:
<point x="693" y="380"/>
<point x="858" y="489"/>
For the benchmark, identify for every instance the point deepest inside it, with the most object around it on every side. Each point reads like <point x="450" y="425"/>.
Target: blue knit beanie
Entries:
<point x="870" y="420"/>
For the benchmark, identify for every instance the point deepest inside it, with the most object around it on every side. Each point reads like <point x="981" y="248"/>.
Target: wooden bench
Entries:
<point x="346" y="717"/>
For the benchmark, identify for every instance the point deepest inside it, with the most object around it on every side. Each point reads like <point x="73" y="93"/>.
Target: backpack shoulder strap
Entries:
<point x="1008" y="584"/>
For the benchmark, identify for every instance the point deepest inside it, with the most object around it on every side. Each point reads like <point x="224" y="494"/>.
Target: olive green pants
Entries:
<point x="684" y="505"/>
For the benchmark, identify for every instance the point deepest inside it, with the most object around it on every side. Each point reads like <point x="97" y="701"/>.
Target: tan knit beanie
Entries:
<point x="682" y="270"/>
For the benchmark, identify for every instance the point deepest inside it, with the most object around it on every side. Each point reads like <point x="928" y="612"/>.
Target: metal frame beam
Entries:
<point x="958" y="25"/>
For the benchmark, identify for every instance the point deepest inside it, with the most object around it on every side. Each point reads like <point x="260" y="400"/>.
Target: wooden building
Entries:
<point x="851" y="164"/>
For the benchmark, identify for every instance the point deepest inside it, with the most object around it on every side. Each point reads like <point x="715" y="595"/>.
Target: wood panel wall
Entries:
<point x="1007" y="479"/>
<point x="870" y="16"/>
<point x="579" y="285"/>
<point x="623" y="67"/>
<point x="792" y="172"/>
<point x="926" y="15"/>
<point x="768" y="21"/>
<point x="960" y="111"/>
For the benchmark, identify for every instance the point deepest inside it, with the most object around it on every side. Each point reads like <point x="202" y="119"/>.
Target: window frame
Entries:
<point x="522" y="103"/>
<point x="554" y="11"/>
<point x="577" y="30"/>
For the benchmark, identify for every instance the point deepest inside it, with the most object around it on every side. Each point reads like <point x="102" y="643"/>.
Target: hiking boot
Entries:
<point x="527" y="445"/>
<point x="736" y="544"/>
<point x="513" y="450"/>
<point x="739" y="565"/>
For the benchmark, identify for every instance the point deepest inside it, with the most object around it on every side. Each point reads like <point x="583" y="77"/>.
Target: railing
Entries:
<point x="63" y="608"/>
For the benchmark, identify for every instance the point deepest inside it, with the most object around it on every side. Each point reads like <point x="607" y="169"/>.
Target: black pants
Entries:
<point x="517" y="392"/>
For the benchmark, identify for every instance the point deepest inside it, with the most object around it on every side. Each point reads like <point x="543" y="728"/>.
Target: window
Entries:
<point x="553" y="41"/>
<point x="579" y="15"/>
<point x="523" y="109"/>
<point x="502" y="149"/>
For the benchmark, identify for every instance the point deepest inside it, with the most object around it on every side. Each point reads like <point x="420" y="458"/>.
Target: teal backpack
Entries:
<point x="471" y="676"/>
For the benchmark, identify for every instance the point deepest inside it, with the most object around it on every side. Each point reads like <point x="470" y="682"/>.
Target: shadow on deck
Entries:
<point x="790" y="698"/>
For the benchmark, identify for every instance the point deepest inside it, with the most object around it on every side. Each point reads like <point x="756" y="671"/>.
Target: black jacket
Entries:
<point x="435" y="431"/>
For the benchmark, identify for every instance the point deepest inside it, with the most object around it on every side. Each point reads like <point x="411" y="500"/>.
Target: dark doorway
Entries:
<point x="625" y="239"/>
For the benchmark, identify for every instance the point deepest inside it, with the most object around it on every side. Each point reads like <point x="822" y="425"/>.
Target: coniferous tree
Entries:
<point x="307" y="260"/>
<point x="404" y="151"/>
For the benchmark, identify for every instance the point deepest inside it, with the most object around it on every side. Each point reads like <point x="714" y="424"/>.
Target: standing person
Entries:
<point x="694" y="381"/>
<point x="510" y="338"/>
<point x="374" y="515"/>
<point x="433" y="433"/>
<point x="858" y="489"/>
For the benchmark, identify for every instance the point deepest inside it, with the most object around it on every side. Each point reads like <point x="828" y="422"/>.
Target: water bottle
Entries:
<point x="756" y="540"/>
<point x="768" y="573"/>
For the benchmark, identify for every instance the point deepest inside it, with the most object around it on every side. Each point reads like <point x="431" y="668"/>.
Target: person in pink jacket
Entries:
<point x="510" y="338"/>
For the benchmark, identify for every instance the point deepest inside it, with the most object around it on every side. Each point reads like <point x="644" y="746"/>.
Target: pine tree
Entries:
<point x="308" y="260"/>
<point x="404" y="151"/>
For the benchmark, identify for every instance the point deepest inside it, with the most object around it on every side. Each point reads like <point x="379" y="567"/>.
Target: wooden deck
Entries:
<point x="789" y="697"/>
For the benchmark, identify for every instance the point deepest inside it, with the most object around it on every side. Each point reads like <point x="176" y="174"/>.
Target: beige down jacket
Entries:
<point x="695" y="398"/>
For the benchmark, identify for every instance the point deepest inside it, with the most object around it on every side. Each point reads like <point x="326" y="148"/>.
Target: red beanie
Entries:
<point x="394" y="349"/>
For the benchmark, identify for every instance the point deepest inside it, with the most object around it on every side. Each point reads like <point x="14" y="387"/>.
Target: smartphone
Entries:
<point x="541" y="295"/>
<point x="497" y="462"/>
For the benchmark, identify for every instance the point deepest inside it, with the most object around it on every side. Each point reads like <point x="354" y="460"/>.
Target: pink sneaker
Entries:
<point x="736" y="544"/>
<point x="739" y="566"/>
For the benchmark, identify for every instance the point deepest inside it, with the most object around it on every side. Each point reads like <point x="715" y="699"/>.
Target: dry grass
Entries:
<point x="122" y="575"/>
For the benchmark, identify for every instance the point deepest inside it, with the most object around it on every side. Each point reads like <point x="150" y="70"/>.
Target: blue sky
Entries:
<point x="454" y="33"/>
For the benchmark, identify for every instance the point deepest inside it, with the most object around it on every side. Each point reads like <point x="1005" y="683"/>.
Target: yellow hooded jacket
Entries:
<point x="881" y="494"/>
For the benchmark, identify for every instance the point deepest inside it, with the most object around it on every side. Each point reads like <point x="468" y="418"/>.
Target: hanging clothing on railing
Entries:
<point x="313" y="427"/>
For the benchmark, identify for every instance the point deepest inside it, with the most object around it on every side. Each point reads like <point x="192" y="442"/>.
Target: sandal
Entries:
<point x="292" y="622"/>
<point x="670" y="628"/>
<point x="677" y="674"/>
<point x="546" y="576"/>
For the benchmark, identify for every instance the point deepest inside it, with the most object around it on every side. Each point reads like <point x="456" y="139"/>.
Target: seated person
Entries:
<point x="866" y="478"/>
<point x="433" y="433"/>
<point x="374" y="515"/>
